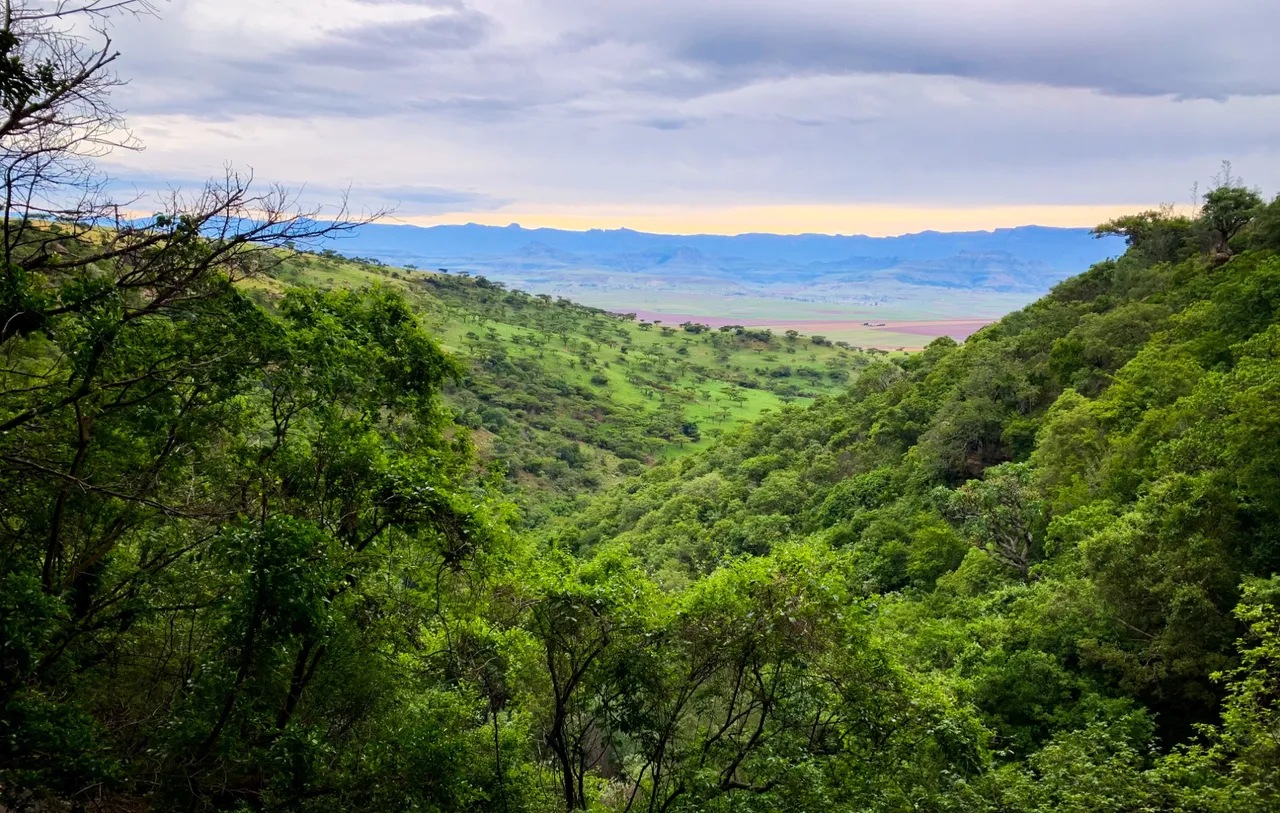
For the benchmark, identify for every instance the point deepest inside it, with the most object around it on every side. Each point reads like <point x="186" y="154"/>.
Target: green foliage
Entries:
<point x="1159" y="235"/>
<point x="1249" y="738"/>
<point x="537" y="371"/>
<point x="1002" y="515"/>
<point x="1055" y="521"/>
<point x="1031" y="572"/>
<point x="217" y="555"/>
<point x="1227" y="210"/>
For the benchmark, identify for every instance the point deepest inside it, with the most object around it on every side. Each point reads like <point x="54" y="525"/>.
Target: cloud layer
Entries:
<point x="472" y="105"/>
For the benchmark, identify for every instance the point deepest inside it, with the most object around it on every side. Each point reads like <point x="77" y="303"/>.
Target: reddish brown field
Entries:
<point x="958" y="329"/>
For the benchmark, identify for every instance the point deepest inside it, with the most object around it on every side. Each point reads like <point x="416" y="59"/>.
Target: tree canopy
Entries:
<point x="252" y="558"/>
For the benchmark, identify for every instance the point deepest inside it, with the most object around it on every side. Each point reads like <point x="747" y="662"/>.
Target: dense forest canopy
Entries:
<point x="250" y="559"/>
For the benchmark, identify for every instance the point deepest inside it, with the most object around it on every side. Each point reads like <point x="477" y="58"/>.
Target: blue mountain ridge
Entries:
<point x="1063" y="249"/>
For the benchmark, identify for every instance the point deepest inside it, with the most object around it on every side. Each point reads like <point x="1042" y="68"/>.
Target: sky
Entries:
<point x="837" y="116"/>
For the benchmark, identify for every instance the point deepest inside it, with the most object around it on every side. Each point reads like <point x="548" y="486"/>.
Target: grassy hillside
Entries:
<point x="569" y="398"/>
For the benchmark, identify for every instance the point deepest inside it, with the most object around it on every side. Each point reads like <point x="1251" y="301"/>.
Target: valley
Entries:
<point x="567" y="399"/>
<point x="364" y="522"/>
<point x="303" y="511"/>
<point x="859" y="328"/>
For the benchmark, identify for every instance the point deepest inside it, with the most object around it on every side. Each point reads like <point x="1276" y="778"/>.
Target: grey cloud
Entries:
<point x="472" y="108"/>
<point x="602" y="55"/>
<point x="152" y="188"/>
<point x="1140" y="47"/>
<point x="825" y="121"/>
<point x="432" y="199"/>
<point x="396" y="44"/>
<point x="147" y="188"/>
<point x="669" y="123"/>
<point x="731" y="102"/>
<point x="747" y="56"/>
<point x="384" y="68"/>
<point x="434" y="4"/>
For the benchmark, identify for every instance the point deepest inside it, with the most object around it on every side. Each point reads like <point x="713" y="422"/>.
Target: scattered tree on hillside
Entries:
<point x="1226" y="211"/>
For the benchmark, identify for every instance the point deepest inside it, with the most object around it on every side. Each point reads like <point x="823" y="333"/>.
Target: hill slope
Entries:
<point x="567" y="399"/>
<point x="1033" y="572"/>
<point x="1070" y="520"/>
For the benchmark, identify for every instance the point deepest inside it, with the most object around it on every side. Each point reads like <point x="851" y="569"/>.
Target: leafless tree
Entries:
<point x="57" y="117"/>
<point x="57" y="120"/>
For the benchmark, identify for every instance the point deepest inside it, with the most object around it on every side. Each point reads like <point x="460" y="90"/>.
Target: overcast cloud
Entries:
<point x="473" y="106"/>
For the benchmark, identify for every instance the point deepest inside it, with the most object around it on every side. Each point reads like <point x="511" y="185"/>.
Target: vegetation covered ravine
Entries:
<point x="251" y="558"/>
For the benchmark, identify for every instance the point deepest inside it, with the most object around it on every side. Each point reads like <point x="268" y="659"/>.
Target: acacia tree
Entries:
<point x="1226" y="211"/>
<point x="1159" y="234"/>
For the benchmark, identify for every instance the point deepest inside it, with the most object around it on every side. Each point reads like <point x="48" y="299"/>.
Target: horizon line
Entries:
<point x="847" y="235"/>
<point x="789" y="220"/>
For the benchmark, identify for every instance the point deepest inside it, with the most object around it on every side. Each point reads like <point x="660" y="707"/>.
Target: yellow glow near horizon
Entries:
<point x="876" y="221"/>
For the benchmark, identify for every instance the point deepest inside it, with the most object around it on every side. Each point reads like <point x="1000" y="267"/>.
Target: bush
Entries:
<point x="494" y="419"/>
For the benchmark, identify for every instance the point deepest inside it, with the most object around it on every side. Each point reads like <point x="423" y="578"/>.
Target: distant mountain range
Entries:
<point x="1027" y="260"/>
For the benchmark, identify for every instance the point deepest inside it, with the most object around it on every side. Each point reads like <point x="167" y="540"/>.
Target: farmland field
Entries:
<point x="909" y="325"/>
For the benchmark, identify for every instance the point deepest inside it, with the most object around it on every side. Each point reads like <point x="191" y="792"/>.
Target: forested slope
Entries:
<point x="1069" y="522"/>
<point x="1031" y="572"/>
<point x="251" y="558"/>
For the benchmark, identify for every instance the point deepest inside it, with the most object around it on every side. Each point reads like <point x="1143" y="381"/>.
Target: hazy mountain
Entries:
<point x="1064" y="249"/>
<point x="814" y="267"/>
